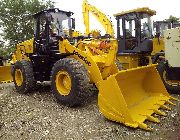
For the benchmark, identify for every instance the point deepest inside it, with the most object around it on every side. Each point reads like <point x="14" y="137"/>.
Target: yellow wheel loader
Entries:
<point x="128" y="96"/>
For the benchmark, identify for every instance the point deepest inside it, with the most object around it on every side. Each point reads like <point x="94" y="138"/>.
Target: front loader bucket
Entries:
<point x="132" y="96"/>
<point x="5" y="74"/>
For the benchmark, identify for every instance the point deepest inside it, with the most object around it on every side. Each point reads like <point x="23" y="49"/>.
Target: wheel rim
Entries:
<point x="18" y="77"/>
<point x="63" y="83"/>
<point x="170" y="82"/>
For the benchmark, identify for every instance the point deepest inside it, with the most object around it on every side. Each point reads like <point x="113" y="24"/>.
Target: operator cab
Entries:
<point x="50" y="26"/>
<point x="134" y="31"/>
<point x="175" y="24"/>
<point x="160" y="26"/>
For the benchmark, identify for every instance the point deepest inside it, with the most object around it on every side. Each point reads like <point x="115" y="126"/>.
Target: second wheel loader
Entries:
<point x="128" y="96"/>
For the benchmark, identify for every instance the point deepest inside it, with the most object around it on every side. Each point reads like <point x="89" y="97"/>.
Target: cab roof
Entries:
<point x="146" y="10"/>
<point x="54" y="10"/>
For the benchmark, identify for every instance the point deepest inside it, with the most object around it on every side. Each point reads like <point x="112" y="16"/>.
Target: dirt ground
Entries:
<point x="37" y="116"/>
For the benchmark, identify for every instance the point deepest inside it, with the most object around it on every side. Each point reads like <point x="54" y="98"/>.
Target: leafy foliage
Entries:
<point x="16" y="22"/>
<point x="173" y="19"/>
<point x="2" y="49"/>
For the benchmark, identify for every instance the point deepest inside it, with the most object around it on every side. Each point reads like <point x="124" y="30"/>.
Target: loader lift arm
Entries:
<point x="102" y="18"/>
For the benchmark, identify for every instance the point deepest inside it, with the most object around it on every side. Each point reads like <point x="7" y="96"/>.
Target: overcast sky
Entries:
<point x="164" y="9"/>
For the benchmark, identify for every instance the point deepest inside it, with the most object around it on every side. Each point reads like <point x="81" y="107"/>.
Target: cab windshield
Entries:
<point x="162" y="28"/>
<point x="60" y="24"/>
<point x="146" y="26"/>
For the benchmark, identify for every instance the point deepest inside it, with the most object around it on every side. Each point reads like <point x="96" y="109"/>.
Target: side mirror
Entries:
<point x="73" y="23"/>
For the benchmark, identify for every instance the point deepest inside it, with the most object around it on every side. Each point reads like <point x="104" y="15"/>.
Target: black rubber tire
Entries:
<point x="171" y="89"/>
<point x="28" y="78"/>
<point x="79" y="81"/>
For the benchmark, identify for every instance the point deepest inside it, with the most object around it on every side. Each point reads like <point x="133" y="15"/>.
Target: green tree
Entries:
<point x="16" y="20"/>
<point x="173" y="19"/>
<point x="2" y="49"/>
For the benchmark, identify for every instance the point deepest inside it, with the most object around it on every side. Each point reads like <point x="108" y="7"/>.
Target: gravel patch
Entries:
<point x="37" y="116"/>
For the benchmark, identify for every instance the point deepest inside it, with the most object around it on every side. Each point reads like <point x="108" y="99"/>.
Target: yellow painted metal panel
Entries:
<point x="129" y="60"/>
<point x="5" y="74"/>
<point x="158" y="45"/>
<point x="132" y="96"/>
